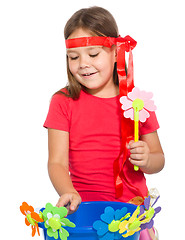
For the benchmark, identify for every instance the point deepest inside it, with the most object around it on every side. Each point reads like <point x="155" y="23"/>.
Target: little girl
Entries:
<point x="84" y="121"/>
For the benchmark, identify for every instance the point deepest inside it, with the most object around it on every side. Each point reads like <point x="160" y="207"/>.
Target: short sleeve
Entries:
<point x="58" y="114"/>
<point x="150" y="125"/>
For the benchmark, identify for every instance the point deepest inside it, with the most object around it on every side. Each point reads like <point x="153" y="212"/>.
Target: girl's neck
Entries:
<point x="104" y="93"/>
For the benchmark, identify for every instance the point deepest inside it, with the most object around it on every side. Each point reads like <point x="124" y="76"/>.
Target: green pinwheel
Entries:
<point x="55" y="221"/>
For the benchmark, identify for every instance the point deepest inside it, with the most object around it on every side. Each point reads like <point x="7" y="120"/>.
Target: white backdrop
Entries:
<point x="32" y="68"/>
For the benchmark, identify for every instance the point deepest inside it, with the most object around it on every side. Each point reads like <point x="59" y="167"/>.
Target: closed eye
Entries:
<point x="93" y="55"/>
<point x="74" y="58"/>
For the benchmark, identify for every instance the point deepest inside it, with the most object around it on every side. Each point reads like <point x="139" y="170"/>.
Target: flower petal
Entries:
<point x="62" y="211"/>
<point x="155" y="200"/>
<point x="24" y="208"/>
<point x="37" y="227"/>
<point x="49" y="215"/>
<point x="149" y="224"/>
<point x="33" y="230"/>
<point x="36" y="217"/>
<point x="57" y="216"/>
<point x="120" y="213"/>
<point x="67" y="222"/>
<point x="108" y="215"/>
<point x="134" y="215"/>
<point x="52" y="233"/>
<point x="135" y="93"/>
<point x="157" y="210"/>
<point x="126" y="103"/>
<point x="123" y="226"/>
<point x="145" y="96"/>
<point x="129" y="113"/>
<point x="143" y="115"/>
<point x="63" y="233"/>
<point x="147" y="202"/>
<point x="49" y="207"/>
<point x="101" y="227"/>
<point x="149" y="105"/>
<point x="117" y="235"/>
<point x="142" y="210"/>
<point x="143" y="227"/>
<point x="27" y="222"/>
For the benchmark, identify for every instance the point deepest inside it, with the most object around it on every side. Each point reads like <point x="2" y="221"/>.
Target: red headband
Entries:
<point x="126" y="83"/>
<point x="101" y="41"/>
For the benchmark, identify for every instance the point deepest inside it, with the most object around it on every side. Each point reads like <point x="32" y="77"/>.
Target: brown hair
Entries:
<point x="99" y="22"/>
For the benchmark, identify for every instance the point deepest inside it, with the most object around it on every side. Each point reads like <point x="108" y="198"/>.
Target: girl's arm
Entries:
<point x="147" y="153"/>
<point x="58" y="168"/>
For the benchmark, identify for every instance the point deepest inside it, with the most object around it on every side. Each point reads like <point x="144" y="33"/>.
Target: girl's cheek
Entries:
<point x="72" y="67"/>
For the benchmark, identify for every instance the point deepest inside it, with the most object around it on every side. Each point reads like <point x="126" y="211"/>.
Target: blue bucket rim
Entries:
<point x="89" y="229"/>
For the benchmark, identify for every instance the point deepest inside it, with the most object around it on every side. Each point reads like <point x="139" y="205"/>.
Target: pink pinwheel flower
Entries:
<point x="142" y="99"/>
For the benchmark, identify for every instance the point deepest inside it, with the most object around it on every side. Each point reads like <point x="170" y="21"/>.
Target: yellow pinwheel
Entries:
<point x="131" y="226"/>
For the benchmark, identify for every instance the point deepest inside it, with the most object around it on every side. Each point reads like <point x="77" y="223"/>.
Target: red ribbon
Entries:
<point x="126" y="84"/>
<point x="90" y="41"/>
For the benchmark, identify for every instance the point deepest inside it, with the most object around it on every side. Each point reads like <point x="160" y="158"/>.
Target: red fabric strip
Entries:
<point x="126" y="84"/>
<point x="90" y="41"/>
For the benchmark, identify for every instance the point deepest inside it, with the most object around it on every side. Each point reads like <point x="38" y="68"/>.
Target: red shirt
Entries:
<point x="94" y="130"/>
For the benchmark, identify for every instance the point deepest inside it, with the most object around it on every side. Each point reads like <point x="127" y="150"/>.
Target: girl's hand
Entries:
<point x="70" y="200"/>
<point x="139" y="153"/>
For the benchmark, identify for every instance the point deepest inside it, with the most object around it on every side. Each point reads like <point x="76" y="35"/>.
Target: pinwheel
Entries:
<point x="131" y="225"/>
<point x="137" y="105"/>
<point x="135" y="222"/>
<point x="108" y="226"/>
<point x="151" y="212"/>
<point x="55" y="220"/>
<point x="141" y="219"/>
<point x="32" y="218"/>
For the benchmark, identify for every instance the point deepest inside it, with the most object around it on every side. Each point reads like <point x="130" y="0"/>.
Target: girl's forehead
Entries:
<point x="87" y="48"/>
<point x="80" y="32"/>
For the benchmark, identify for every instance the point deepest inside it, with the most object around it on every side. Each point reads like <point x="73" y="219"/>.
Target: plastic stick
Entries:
<point x="136" y="129"/>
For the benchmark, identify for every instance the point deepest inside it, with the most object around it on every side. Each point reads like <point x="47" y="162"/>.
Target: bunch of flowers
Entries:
<point x="113" y="224"/>
<point x="120" y="223"/>
<point x="54" y="219"/>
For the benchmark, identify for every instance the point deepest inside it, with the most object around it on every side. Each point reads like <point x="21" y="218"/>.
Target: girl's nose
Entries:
<point x="84" y="62"/>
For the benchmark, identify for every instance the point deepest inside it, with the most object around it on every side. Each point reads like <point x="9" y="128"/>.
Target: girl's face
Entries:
<point x="92" y="66"/>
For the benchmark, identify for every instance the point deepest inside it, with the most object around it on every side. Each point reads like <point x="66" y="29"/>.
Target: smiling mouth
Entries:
<point x="88" y="74"/>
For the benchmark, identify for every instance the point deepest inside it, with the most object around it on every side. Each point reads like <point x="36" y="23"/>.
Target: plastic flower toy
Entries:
<point x="137" y="105"/>
<point x="142" y="218"/>
<point x="132" y="225"/>
<point x="55" y="221"/>
<point x="151" y="212"/>
<point x="32" y="218"/>
<point x="139" y="101"/>
<point x="108" y="226"/>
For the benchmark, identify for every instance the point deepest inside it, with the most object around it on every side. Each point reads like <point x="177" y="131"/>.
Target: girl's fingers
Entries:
<point x="71" y="201"/>
<point x="137" y="156"/>
<point x="133" y="144"/>
<point x="136" y="163"/>
<point x="63" y="201"/>
<point x="137" y="150"/>
<point x="74" y="205"/>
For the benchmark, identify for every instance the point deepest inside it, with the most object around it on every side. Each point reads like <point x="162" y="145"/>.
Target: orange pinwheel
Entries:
<point x="32" y="218"/>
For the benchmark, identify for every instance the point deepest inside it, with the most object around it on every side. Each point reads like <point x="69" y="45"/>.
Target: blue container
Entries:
<point x="86" y="215"/>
